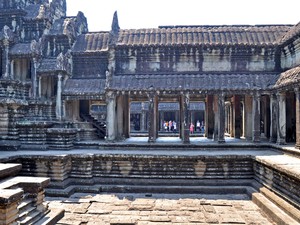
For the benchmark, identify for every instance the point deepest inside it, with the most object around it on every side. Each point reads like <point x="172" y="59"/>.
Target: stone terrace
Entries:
<point x="159" y="209"/>
<point x="166" y="183"/>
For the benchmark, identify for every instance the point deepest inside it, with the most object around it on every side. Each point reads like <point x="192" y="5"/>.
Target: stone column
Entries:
<point x="248" y="117"/>
<point x="64" y="109"/>
<point x="152" y="117"/>
<point x="34" y="79"/>
<point x="237" y="120"/>
<point x="111" y="116"/>
<point x="12" y="71"/>
<point x="126" y="113"/>
<point x="181" y="119"/>
<point x="40" y="86"/>
<point x="120" y="117"/>
<point x="221" y="117"/>
<point x="281" y="125"/>
<point x="186" y="118"/>
<point x="216" y="117"/>
<point x="231" y="120"/>
<point x="58" y="97"/>
<point x="161" y="125"/>
<point x="6" y="49"/>
<point x="274" y="117"/>
<point x="143" y="119"/>
<point x="209" y="117"/>
<point x="297" y="93"/>
<point x="256" y="118"/>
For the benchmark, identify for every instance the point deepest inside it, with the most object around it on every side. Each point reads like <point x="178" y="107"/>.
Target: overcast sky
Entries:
<point x="152" y="13"/>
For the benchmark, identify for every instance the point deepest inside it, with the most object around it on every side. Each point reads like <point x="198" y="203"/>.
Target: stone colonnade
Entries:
<point x="239" y="117"/>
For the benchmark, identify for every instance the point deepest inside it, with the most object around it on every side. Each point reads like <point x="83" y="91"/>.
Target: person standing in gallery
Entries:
<point x="192" y="128"/>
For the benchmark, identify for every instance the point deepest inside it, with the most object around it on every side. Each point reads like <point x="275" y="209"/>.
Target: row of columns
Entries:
<point x="118" y="117"/>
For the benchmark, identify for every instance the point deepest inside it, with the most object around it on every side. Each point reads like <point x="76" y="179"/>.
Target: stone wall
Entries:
<point x="284" y="184"/>
<point x="194" y="59"/>
<point x="290" y="55"/>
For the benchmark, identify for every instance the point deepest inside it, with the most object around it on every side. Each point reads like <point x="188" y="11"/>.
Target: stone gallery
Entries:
<point x="229" y="95"/>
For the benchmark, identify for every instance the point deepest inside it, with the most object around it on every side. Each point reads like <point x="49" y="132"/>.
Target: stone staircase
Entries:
<point x="22" y="198"/>
<point x="100" y="127"/>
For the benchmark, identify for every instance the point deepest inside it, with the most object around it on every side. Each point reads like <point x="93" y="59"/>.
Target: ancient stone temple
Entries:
<point x="59" y="80"/>
<point x="87" y="95"/>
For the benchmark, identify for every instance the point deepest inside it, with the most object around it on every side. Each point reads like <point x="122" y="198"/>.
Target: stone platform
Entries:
<point x="159" y="209"/>
<point x="266" y="176"/>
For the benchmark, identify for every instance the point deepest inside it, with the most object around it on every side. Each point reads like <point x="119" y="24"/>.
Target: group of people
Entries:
<point x="199" y="127"/>
<point x="170" y="126"/>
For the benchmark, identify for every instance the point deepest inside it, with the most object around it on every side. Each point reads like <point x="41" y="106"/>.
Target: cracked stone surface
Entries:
<point x="158" y="209"/>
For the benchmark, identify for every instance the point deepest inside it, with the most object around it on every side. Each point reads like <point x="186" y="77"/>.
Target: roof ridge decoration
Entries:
<point x="291" y="34"/>
<point x="62" y="62"/>
<point x="115" y="28"/>
<point x="6" y="34"/>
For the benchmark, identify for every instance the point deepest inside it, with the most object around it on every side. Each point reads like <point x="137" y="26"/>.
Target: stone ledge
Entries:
<point x="271" y="209"/>
<point x="8" y="196"/>
<point x="52" y="217"/>
<point x="28" y="184"/>
<point x="9" y="169"/>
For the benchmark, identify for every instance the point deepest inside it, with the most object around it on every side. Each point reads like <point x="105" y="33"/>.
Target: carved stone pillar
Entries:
<point x="237" y="116"/>
<point x="152" y="123"/>
<point x="221" y="116"/>
<point x="58" y="97"/>
<point x="34" y="79"/>
<point x="143" y="118"/>
<point x="248" y="117"/>
<point x="120" y="117"/>
<point x="111" y="116"/>
<point x="231" y="120"/>
<point x="274" y="117"/>
<point x="12" y="69"/>
<point x="64" y="109"/>
<point x="216" y="117"/>
<point x="126" y="113"/>
<point x="297" y="93"/>
<point x="256" y="117"/>
<point x="281" y="125"/>
<point x="209" y="117"/>
<point x="186" y="118"/>
<point x="7" y="63"/>
<point x="40" y="86"/>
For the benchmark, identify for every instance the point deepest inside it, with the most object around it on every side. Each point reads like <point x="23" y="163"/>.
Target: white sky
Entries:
<point x="152" y="13"/>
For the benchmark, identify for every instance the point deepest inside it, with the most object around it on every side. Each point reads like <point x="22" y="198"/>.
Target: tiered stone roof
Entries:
<point x="204" y="82"/>
<point x="91" y="42"/>
<point x="293" y="33"/>
<point x="80" y="87"/>
<point x="47" y="65"/>
<point x="203" y="35"/>
<point x="288" y="77"/>
<point x="20" y="49"/>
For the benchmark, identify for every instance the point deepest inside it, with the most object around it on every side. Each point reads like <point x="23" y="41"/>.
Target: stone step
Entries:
<point x="31" y="218"/>
<point x="51" y="218"/>
<point x="147" y="189"/>
<point x="9" y="169"/>
<point x="25" y="212"/>
<point x="26" y="203"/>
<point x="278" y="215"/>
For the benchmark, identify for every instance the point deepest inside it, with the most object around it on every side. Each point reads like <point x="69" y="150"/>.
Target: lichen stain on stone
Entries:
<point x="125" y="167"/>
<point x="108" y="165"/>
<point x="200" y="168"/>
<point x="225" y="168"/>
